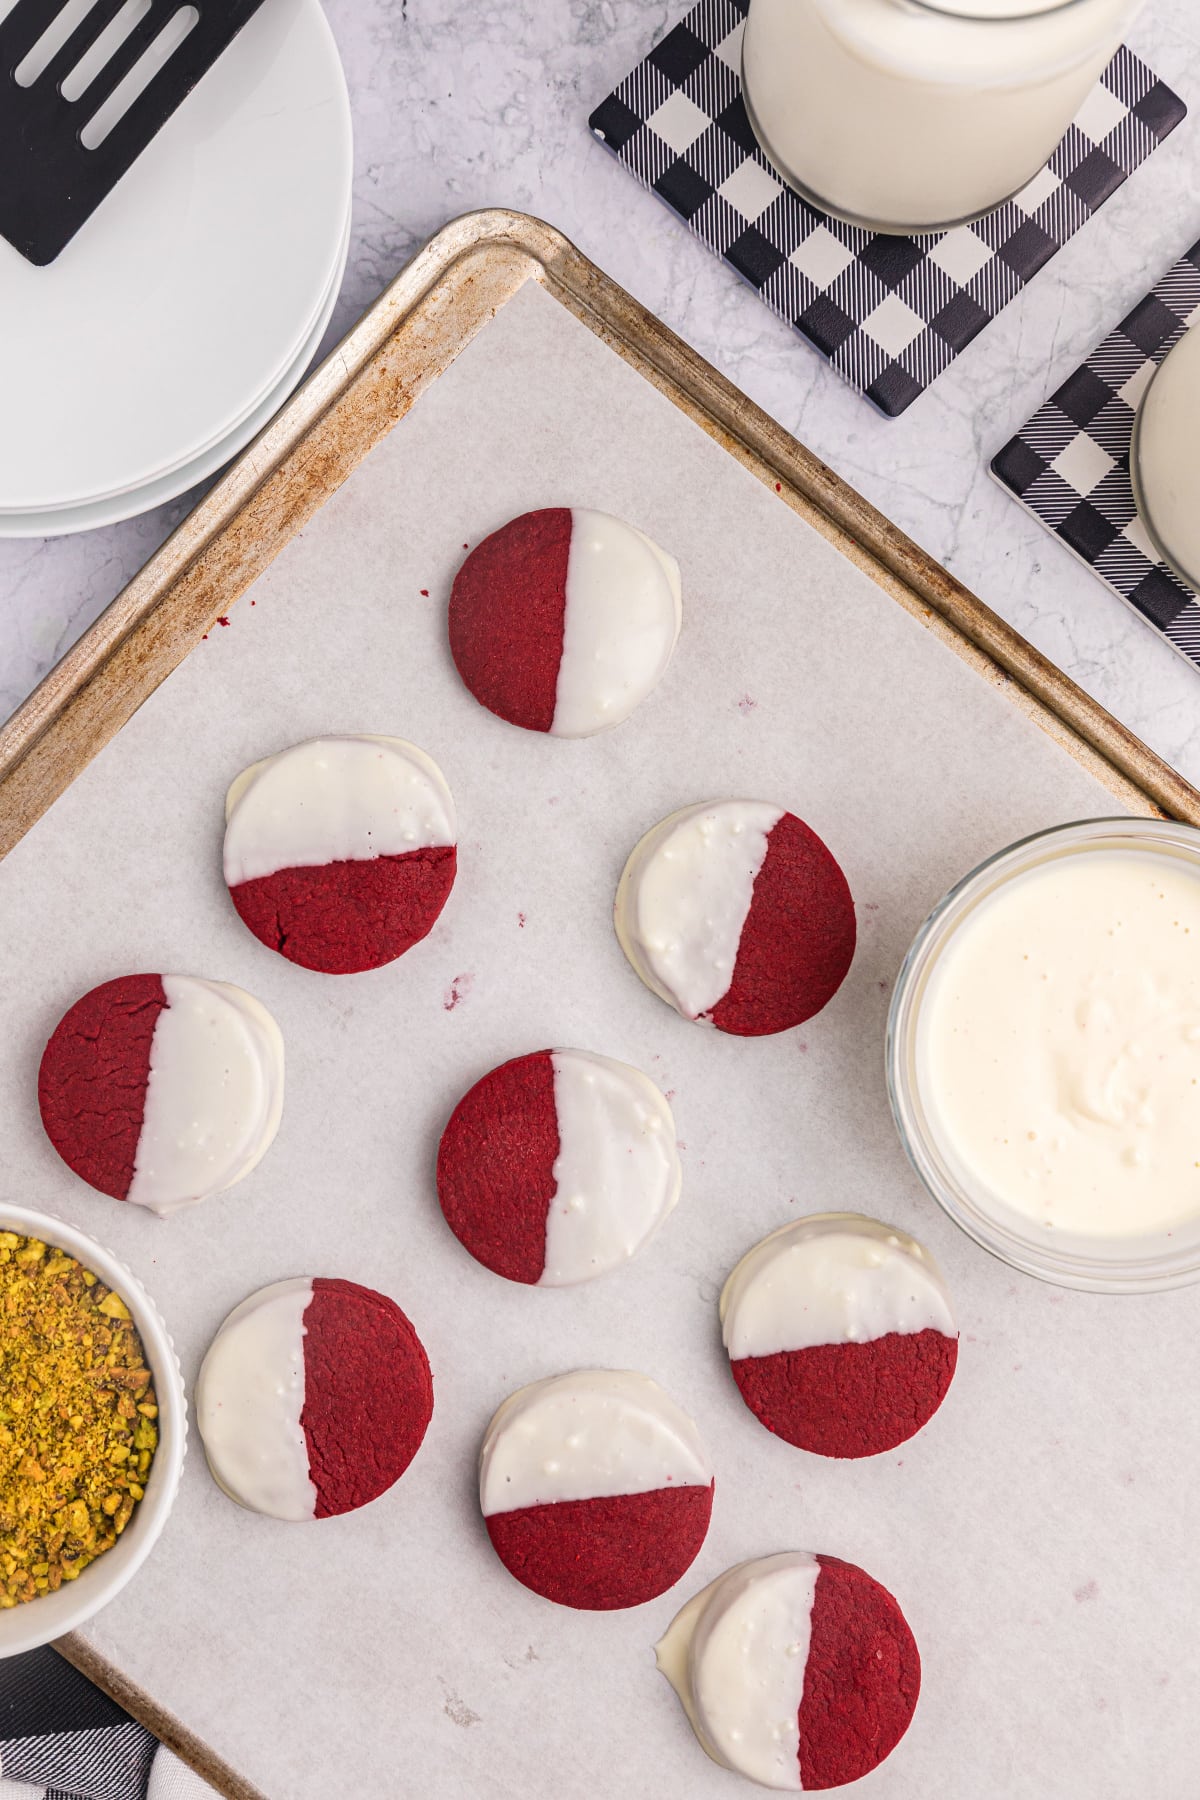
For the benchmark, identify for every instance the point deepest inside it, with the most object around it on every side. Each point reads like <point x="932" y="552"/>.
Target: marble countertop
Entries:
<point x="461" y="104"/>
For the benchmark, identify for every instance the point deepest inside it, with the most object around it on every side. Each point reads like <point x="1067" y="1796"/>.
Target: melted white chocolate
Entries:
<point x="684" y="898"/>
<point x="249" y="1398"/>
<point x="334" y="799"/>
<point x="214" y="1097"/>
<point x="586" y="1436"/>
<point x="834" y="1278"/>
<point x="1058" y="1044"/>
<point x="617" y="1173"/>
<point x="736" y="1656"/>
<point x="620" y="626"/>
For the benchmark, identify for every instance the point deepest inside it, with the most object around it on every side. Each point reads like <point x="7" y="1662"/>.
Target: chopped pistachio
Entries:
<point x="76" y="1409"/>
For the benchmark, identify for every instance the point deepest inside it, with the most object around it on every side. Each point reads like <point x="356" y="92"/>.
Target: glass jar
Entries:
<point x="916" y="115"/>
<point x="1100" y="1260"/>
<point x="1164" y="459"/>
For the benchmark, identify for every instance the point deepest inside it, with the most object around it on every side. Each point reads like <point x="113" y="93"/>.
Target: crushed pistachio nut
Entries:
<point x="77" y="1418"/>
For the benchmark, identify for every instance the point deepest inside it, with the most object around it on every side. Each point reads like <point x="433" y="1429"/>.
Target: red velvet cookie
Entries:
<point x="737" y="915"/>
<point x="595" y="1489"/>
<point x="564" y="620"/>
<point x="840" y="1334"/>
<point x="558" y="1166"/>
<point x="827" y="1671"/>
<point x="313" y="1399"/>
<point x="340" y="852"/>
<point x="162" y="1089"/>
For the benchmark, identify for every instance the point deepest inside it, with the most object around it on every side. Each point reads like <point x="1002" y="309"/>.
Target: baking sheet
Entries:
<point x="1035" y="1533"/>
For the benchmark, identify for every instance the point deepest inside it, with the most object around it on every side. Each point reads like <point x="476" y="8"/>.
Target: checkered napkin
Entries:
<point x="1070" y="464"/>
<point x="62" y="1739"/>
<point x="890" y="313"/>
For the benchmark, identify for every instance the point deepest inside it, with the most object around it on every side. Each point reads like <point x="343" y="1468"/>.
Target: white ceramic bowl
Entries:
<point x="53" y="1615"/>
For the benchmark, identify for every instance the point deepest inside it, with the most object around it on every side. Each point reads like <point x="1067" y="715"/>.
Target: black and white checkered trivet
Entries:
<point x="1070" y="464"/>
<point x="890" y="313"/>
<point x="62" y="1739"/>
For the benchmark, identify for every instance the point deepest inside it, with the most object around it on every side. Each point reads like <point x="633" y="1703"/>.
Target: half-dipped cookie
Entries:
<point x="796" y="1671"/>
<point x="162" y="1089"/>
<point x="737" y="915"/>
<point x="564" y="620"/>
<point x="595" y="1488"/>
<point x="340" y="852"/>
<point x="840" y="1334"/>
<point x="558" y="1166"/>
<point x="313" y="1398"/>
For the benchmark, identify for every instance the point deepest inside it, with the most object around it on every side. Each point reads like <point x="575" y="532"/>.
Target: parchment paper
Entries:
<point x="1039" y="1534"/>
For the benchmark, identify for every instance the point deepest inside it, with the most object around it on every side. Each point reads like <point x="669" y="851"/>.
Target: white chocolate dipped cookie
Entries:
<point x="313" y="1398"/>
<point x="797" y="1671"/>
<point x="736" y="914"/>
<point x="163" y="1089"/>
<point x="595" y="1488"/>
<point x="840" y="1334"/>
<point x="564" y="620"/>
<point x="340" y="852"/>
<point x="558" y="1166"/>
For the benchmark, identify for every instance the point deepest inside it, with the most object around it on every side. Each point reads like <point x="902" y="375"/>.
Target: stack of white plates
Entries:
<point x="188" y="307"/>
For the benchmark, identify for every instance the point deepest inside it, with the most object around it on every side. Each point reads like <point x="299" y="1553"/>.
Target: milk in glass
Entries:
<point x="907" y="115"/>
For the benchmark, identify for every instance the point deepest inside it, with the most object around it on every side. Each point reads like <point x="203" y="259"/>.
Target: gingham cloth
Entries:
<point x="890" y="313"/>
<point x="62" y="1739"/>
<point x="1070" y="464"/>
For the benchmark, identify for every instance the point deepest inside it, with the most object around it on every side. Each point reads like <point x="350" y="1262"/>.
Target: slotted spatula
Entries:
<point x="50" y="181"/>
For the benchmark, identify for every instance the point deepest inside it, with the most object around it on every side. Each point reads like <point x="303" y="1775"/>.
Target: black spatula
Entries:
<point x="50" y="180"/>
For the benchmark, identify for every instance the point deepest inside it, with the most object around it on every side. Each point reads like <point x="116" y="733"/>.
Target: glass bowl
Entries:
<point x="1126" y="1264"/>
<point x="1141" y="499"/>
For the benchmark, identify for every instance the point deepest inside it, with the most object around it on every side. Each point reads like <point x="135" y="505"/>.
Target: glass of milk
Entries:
<point x="915" y="115"/>
<point x="1165" y="459"/>
<point x="1043" y="1055"/>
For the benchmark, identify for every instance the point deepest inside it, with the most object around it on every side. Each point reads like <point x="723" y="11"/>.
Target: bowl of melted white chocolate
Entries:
<point x="1044" y="1054"/>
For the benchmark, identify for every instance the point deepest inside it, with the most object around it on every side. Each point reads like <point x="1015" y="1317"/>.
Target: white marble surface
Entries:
<point x="460" y="104"/>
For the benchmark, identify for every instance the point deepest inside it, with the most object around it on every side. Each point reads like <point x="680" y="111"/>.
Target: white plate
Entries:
<point x="254" y="403"/>
<point x="279" y="385"/>
<point x="192" y="288"/>
<point x="61" y="521"/>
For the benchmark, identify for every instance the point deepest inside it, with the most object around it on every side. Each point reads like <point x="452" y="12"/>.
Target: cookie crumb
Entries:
<point x="458" y="990"/>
